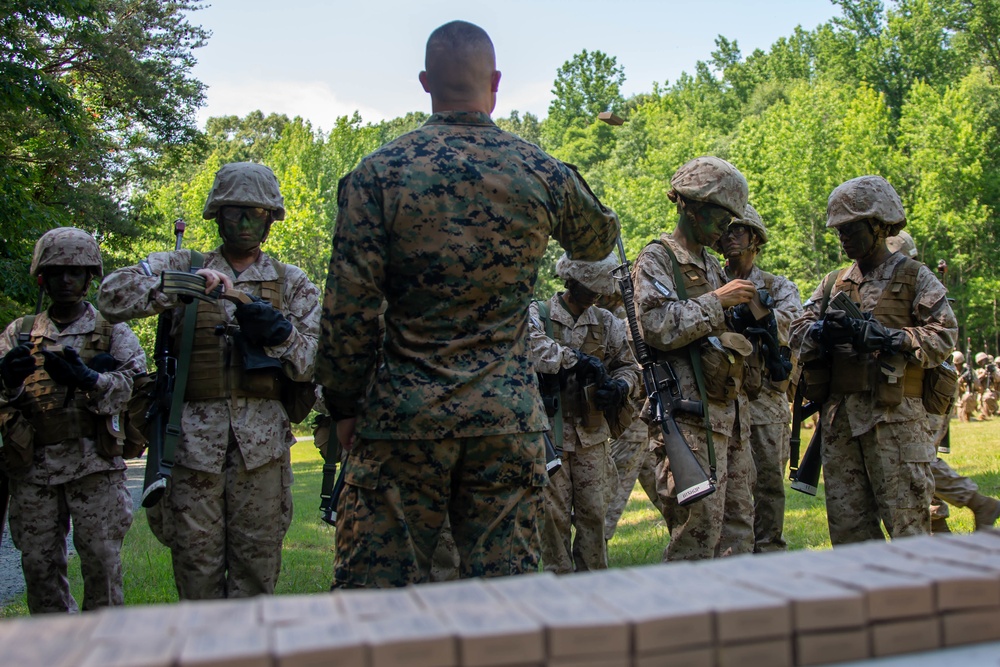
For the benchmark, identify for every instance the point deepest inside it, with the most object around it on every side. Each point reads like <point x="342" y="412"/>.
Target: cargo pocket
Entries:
<point x="357" y="529"/>
<point x="915" y="484"/>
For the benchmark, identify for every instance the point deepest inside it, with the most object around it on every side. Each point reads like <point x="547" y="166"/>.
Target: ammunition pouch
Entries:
<point x="17" y="447"/>
<point x="619" y="420"/>
<point x="723" y="359"/>
<point x="815" y="380"/>
<point x="940" y="384"/>
<point x="139" y="404"/>
<point x="753" y="375"/>
<point x="110" y="437"/>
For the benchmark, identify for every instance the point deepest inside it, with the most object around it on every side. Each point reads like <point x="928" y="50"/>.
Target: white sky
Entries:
<point x="324" y="59"/>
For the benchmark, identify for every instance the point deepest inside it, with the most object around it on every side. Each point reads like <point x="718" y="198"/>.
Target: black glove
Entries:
<point x="262" y="324"/>
<point x="589" y="369"/>
<point x="873" y="336"/>
<point x="834" y="329"/>
<point x="741" y="317"/>
<point x="16" y="366"/>
<point x="611" y="395"/>
<point x="68" y="369"/>
<point x="103" y="363"/>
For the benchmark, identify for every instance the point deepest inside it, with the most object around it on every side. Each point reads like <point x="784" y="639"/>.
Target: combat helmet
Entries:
<point x="244" y="184"/>
<point x="981" y="358"/>
<point x="713" y="180"/>
<point x="902" y="243"/>
<point x="958" y="357"/>
<point x="866" y="197"/>
<point x="595" y="276"/>
<point x="67" y="246"/>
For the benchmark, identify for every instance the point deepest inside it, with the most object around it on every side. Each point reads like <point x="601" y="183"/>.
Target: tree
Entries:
<point x="94" y="92"/>
<point x="528" y="128"/>
<point x="585" y="85"/>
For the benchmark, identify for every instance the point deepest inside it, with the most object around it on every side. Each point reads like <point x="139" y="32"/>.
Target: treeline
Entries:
<point x="908" y="90"/>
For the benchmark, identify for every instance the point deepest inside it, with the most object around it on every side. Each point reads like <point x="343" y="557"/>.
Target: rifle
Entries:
<point x="158" y="471"/>
<point x="663" y="391"/>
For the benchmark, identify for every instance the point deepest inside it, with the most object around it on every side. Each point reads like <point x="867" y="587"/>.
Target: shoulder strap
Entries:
<point x="27" y="324"/>
<point x="172" y="432"/>
<point x="275" y="287"/>
<point x="831" y="278"/>
<point x="699" y="374"/>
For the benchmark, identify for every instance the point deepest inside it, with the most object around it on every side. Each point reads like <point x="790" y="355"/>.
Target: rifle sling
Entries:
<point x="557" y="419"/>
<point x="695" y="352"/>
<point x="172" y="433"/>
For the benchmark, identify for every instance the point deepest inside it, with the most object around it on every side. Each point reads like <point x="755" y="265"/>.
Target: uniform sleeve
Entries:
<point x="133" y="291"/>
<point x="936" y="333"/>
<point x="7" y="342"/>
<point x="111" y="394"/>
<point x="349" y="339"/>
<point x="669" y="323"/>
<point x="787" y="307"/>
<point x="301" y="307"/>
<point x="801" y="341"/>
<point x="547" y="355"/>
<point x="585" y="227"/>
<point x="619" y="359"/>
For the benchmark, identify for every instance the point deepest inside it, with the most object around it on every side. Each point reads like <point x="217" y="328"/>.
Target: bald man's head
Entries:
<point x="460" y="68"/>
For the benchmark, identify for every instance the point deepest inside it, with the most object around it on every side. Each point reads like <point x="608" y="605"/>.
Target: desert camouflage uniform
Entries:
<point x="229" y="501"/>
<point x="70" y="480"/>
<point x="668" y="326"/>
<point x="633" y="463"/>
<point x="579" y="495"/>
<point x="877" y="460"/>
<point x="769" y="427"/>
<point x="450" y="223"/>
<point x="987" y="377"/>
<point x="968" y="391"/>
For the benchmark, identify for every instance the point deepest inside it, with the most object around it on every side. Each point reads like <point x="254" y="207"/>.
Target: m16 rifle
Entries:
<point x="664" y="396"/>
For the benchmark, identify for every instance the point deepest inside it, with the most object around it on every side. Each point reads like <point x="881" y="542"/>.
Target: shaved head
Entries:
<point x="460" y="68"/>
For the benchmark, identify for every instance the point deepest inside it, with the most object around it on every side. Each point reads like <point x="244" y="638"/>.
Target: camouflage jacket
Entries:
<point x="932" y="338"/>
<point x="771" y="406"/>
<point x="669" y="324"/>
<point x="552" y="355"/>
<point x="73" y="459"/>
<point x="449" y="223"/>
<point x="260" y="425"/>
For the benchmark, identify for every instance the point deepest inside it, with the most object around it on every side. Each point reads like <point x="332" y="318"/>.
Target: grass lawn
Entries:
<point x="307" y="563"/>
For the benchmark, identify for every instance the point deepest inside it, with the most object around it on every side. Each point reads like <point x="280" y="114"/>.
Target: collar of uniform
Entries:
<point x="683" y="255"/>
<point x="881" y="272"/>
<point x="47" y="329"/>
<point x="559" y="314"/>
<point x="260" y="271"/>
<point x="460" y="118"/>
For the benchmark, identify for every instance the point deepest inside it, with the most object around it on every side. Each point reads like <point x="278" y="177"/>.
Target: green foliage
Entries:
<point x="585" y="85"/>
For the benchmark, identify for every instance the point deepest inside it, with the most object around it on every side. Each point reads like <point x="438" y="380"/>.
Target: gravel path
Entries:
<point x="11" y="579"/>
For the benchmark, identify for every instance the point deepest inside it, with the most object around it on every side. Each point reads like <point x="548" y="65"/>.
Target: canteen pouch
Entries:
<point x="110" y="437"/>
<point x="889" y="380"/>
<point x="723" y="361"/>
<point x="940" y="385"/>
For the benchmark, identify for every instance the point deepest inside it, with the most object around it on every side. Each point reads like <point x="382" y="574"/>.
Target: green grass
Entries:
<point x="307" y="562"/>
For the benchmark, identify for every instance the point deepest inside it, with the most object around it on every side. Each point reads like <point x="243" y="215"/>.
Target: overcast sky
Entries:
<point x="323" y="59"/>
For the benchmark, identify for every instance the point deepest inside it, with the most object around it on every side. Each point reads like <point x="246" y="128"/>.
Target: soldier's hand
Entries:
<point x="263" y="324"/>
<point x="16" y="366"/>
<point x="345" y="432"/>
<point x="835" y="328"/>
<point x="735" y="292"/>
<point x="741" y="317"/>
<point x="68" y="369"/>
<point x="213" y="279"/>
<point x="611" y="395"/>
<point x="873" y="336"/>
<point x="589" y="369"/>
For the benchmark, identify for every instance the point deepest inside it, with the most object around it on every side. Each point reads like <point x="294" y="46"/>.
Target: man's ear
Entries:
<point x="423" y="81"/>
<point x="495" y="81"/>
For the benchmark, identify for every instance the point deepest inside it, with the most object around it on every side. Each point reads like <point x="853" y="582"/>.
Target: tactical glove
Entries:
<point x="873" y="336"/>
<point x="103" y="363"/>
<point x="262" y="324"/>
<point x="589" y="369"/>
<point x="611" y="395"/>
<point x="834" y="329"/>
<point x="68" y="369"/>
<point x="740" y="317"/>
<point x="16" y="366"/>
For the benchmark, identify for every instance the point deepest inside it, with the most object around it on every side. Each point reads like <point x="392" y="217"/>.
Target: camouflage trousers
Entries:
<point x="718" y="524"/>
<point x="225" y="530"/>
<point x="950" y="488"/>
<point x="100" y="507"/>
<point x="769" y="444"/>
<point x="577" y="497"/>
<point x="882" y="475"/>
<point x="634" y="462"/>
<point x="398" y="493"/>
<point x="966" y="406"/>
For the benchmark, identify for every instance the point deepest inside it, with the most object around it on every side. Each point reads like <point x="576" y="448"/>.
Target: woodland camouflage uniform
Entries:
<point x="579" y="494"/>
<point x="229" y="503"/>
<point x="449" y="223"/>
<point x="877" y="454"/>
<point x="669" y="325"/>
<point x="80" y="478"/>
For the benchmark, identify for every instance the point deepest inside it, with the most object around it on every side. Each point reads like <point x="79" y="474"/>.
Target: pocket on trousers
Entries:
<point x="362" y="473"/>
